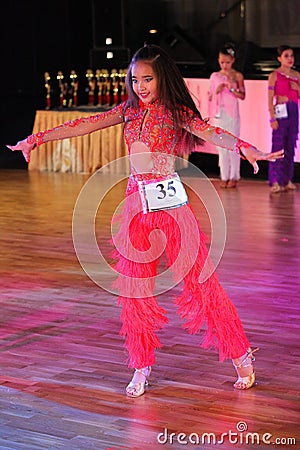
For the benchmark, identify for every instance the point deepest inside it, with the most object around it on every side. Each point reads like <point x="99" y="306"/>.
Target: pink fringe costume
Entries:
<point x="143" y="238"/>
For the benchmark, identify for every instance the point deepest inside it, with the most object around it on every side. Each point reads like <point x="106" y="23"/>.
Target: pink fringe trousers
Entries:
<point x="141" y="242"/>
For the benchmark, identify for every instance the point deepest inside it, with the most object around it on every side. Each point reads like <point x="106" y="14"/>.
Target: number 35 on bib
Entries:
<point x="162" y="194"/>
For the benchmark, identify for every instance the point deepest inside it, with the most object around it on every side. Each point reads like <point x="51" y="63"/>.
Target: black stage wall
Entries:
<point x="59" y="35"/>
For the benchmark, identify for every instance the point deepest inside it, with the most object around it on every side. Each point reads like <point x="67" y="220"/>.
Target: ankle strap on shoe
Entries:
<point x="144" y="371"/>
<point x="248" y="356"/>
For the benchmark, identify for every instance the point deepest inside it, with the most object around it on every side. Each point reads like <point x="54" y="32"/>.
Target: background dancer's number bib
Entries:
<point x="160" y="195"/>
<point x="281" y="111"/>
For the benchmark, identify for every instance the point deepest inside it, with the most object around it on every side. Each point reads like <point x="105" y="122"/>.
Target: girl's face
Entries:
<point x="225" y="62"/>
<point x="287" y="58"/>
<point x="144" y="82"/>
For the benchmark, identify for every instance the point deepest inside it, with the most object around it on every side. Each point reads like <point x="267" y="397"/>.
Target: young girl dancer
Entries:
<point x="284" y="92"/>
<point x="226" y="88"/>
<point x="160" y="118"/>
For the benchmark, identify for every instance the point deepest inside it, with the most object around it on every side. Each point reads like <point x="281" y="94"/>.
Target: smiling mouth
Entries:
<point x="144" y="96"/>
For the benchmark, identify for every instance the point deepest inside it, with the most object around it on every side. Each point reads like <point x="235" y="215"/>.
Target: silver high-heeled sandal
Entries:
<point x="245" y="370"/>
<point x="136" y="387"/>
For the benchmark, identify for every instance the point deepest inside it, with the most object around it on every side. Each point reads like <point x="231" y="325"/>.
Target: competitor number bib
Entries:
<point x="281" y="111"/>
<point x="164" y="194"/>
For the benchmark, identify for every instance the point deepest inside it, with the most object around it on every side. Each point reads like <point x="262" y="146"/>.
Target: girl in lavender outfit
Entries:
<point x="283" y="95"/>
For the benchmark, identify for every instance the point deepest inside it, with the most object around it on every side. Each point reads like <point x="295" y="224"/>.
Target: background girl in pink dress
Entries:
<point x="226" y="88"/>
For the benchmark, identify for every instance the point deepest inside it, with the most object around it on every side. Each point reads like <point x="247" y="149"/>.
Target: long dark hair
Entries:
<point x="173" y="92"/>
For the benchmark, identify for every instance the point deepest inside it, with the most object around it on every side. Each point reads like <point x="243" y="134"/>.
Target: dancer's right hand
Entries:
<point x="24" y="147"/>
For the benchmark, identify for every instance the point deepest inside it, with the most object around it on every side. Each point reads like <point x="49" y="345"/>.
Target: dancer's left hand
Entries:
<point x="253" y="155"/>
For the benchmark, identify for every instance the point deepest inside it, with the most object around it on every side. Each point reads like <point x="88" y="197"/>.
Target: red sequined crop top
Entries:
<point x="152" y="125"/>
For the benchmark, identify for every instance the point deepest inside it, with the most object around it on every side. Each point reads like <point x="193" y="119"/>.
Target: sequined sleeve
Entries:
<point x="79" y="127"/>
<point x="215" y="135"/>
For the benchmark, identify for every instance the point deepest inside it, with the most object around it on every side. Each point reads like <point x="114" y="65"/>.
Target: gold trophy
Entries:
<point x="115" y="86"/>
<point x="107" y="87"/>
<point x="100" y="86"/>
<point x="73" y="100"/>
<point x="48" y="90"/>
<point x="122" y="86"/>
<point x="62" y="89"/>
<point x="92" y="86"/>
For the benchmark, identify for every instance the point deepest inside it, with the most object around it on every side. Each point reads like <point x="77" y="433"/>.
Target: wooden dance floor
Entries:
<point x="63" y="371"/>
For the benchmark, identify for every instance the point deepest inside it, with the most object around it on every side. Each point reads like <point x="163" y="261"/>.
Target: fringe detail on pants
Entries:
<point x="207" y="305"/>
<point x="140" y="243"/>
<point x="141" y="319"/>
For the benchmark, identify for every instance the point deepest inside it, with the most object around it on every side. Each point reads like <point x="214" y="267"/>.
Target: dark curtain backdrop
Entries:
<point x="59" y="35"/>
